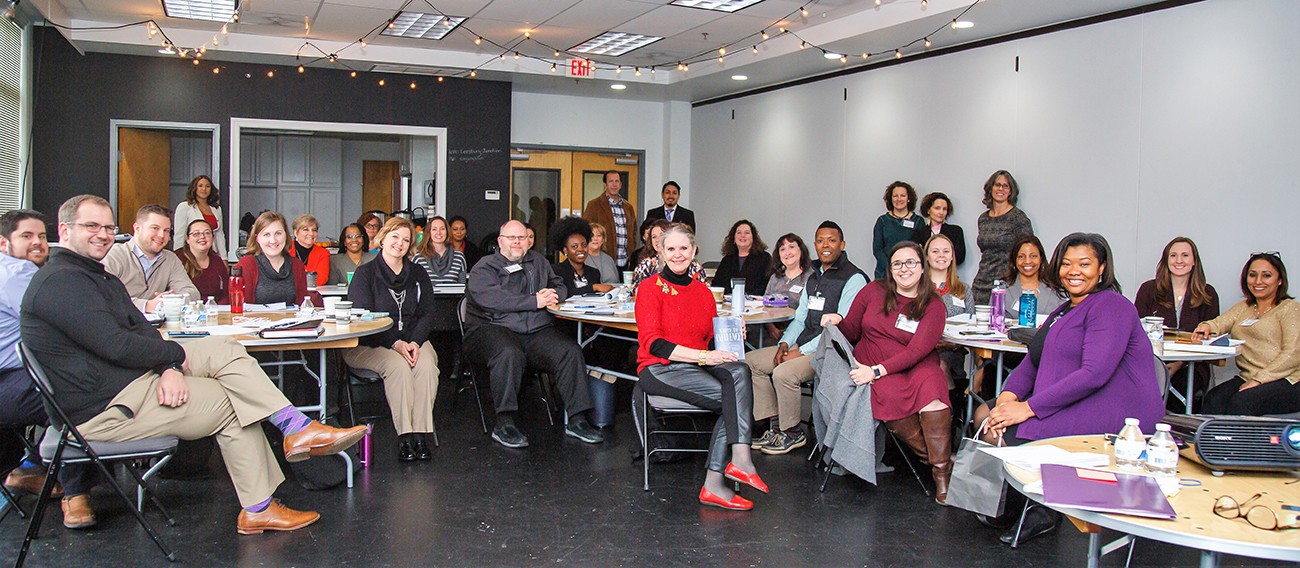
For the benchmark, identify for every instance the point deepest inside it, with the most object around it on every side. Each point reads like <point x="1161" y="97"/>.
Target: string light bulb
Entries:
<point x="528" y="34"/>
<point x="652" y="71"/>
<point x="301" y="69"/>
<point x="381" y="82"/>
<point x="440" y="78"/>
<point x="390" y="22"/>
<point x="638" y="71"/>
<point x="412" y="84"/>
<point x="804" y="11"/>
<point x="503" y="57"/>
<point x="877" y="2"/>
<point x="722" y="51"/>
<point x="756" y="50"/>
<point x="473" y="73"/>
<point x="235" y="16"/>
<point x="270" y="73"/>
<point x="618" y="70"/>
<point x="866" y="55"/>
<point x="843" y="60"/>
<point x="216" y="70"/>
<point x="333" y="58"/>
<point x="516" y="56"/>
<point x="478" y="41"/>
<point x="803" y="44"/>
<point x="923" y="4"/>
<point x="686" y="67"/>
<point x="557" y="53"/>
<point x="553" y="69"/>
<point x="354" y="73"/>
<point x="196" y="61"/>
<point x="363" y="43"/>
<point x="214" y="41"/>
<point x="224" y="30"/>
<point x="782" y="31"/>
<point x="721" y="60"/>
<point x="764" y="35"/>
<point x="927" y="42"/>
<point x="898" y="54"/>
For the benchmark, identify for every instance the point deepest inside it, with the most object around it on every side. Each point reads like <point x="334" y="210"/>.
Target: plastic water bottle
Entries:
<point x="1162" y="453"/>
<point x="306" y="309"/>
<point x="210" y="309"/>
<point x="200" y="313"/>
<point x="1029" y="308"/>
<point x="998" y="301"/>
<point x="1129" y="446"/>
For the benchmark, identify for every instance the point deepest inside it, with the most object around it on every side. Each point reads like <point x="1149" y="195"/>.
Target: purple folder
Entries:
<point x="1129" y="494"/>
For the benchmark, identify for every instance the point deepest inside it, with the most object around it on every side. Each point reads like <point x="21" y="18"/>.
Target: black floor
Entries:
<point x="562" y="502"/>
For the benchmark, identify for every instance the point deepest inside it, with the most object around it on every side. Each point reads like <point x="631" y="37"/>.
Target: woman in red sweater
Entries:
<point x="674" y="316"/>
<point x="894" y="325"/>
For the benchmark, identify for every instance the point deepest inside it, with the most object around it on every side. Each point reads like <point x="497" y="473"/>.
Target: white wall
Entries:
<point x="1179" y="122"/>
<point x="355" y="152"/>
<point x="662" y="130"/>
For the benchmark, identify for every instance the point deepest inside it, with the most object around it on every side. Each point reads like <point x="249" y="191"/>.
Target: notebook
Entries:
<point x="1104" y="491"/>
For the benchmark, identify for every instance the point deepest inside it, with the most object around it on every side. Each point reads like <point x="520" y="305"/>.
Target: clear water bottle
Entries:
<point x="1129" y="447"/>
<point x="998" y="301"/>
<point x="1162" y="453"/>
<point x="200" y="313"/>
<point x="307" y="308"/>
<point x="1029" y="308"/>
<point x="211" y="309"/>
<point x="189" y="317"/>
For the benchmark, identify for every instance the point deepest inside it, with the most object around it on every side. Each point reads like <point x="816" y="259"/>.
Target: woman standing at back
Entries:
<point x="998" y="229"/>
<point x="896" y="225"/>
<point x="202" y="201"/>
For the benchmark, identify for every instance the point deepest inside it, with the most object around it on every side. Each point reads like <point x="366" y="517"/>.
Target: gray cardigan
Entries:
<point x="841" y="410"/>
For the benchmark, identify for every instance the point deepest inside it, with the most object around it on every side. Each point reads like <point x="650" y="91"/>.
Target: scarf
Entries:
<point x="440" y="265"/>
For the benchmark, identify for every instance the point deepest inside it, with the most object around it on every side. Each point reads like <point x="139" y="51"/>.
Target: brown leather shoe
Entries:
<point x="276" y="517"/>
<point x="937" y="426"/>
<point x="31" y="482"/>
<point x="77" y="513"/>
<point x="320" y="440"/>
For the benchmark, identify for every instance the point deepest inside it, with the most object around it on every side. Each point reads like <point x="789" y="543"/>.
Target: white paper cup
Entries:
<point x="330" y="302"/>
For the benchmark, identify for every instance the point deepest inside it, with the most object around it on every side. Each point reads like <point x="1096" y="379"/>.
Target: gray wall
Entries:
<point x="355" y="152"/>
<point x="1184" y="121"/>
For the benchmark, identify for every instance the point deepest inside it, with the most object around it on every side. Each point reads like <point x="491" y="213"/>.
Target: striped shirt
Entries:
<point x="455" y="273"/>
<point x="620" y="230"/>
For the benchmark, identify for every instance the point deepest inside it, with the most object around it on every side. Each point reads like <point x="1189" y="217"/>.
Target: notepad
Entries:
<point x="1129" y="494"/>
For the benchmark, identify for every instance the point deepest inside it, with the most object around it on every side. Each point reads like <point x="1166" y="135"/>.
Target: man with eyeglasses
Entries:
<point x="144" y="265"/>
<point x="508" y="329"/>
<point x="25" y="248"/>
<point x="119" y="381"/>
<point x="779" y="371"/>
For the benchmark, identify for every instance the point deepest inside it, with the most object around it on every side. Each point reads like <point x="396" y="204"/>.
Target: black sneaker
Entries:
<point x="509" y="436"/>
<point x="580" y="429"/>
<point x="767" y="439"/>
<point x="784" y="442"/>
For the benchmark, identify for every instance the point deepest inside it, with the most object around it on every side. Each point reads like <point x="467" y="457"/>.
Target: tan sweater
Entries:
<point x="1272" y="348"/>
<point x="168" y="274"/>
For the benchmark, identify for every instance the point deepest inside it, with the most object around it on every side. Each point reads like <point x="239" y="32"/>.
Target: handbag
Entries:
<point x="978" y="479"/>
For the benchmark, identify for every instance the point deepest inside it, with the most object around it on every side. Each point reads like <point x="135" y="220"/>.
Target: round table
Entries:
<point x="599" y="317"/>
<point x="1196" y="526"/>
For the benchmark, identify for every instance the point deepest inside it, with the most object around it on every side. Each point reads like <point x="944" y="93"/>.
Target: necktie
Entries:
<point x="670" y="214"/>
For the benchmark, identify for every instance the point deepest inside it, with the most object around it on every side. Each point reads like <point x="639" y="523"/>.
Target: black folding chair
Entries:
<point x="64" y="444"/>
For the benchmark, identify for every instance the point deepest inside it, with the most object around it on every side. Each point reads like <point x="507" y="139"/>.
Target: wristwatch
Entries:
<point x="703" y="353"/>
<point x="876" y="372"/>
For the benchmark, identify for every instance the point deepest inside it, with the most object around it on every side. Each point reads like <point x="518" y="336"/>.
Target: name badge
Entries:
<point x="1249" y="322"/>
<point x="906" y="324"/>
<point x="908" y="223"/>
<point x="513" y="268"/>
<point x="817" y="303"/>
<point x="958" y="302"/>
<point x="796" y="289"/>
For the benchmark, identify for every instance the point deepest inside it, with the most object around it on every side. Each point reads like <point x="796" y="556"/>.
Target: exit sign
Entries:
<point x="580" y="68"/>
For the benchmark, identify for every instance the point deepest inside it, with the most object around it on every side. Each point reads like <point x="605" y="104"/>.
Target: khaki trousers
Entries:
<point x="777" y="388"/>
<point x="229" y="396"/>
<point x="410" y="390"/>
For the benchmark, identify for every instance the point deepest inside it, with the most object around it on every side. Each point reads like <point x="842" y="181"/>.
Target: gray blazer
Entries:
<point x="841" y="410"/>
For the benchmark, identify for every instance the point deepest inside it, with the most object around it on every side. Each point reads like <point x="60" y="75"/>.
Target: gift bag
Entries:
<point x="978" y="479"/>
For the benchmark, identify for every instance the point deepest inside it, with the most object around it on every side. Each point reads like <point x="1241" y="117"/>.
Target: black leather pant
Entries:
<point x="725" y="389"/>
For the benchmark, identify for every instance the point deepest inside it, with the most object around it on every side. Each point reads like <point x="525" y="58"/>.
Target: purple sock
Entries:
<point x="289" y="420"/>
<point x="258" y="508"/>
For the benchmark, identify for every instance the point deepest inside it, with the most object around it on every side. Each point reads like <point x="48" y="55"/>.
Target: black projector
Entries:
<point x="1237" y="442"/>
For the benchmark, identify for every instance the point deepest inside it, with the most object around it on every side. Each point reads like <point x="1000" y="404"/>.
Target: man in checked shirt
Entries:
<point x="618" y="217"/>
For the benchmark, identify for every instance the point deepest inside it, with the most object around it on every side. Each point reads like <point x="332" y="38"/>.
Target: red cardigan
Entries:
<point x="682" y="315"/>
<point x="248" y="265"/>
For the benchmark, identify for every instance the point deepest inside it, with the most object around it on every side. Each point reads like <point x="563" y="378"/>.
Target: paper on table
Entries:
<point x="1032" y="458"/>
<point x="276" y="307"/>
<point x="970" y="332"/>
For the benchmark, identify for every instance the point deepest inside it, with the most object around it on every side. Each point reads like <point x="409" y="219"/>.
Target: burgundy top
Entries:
<point x="914" y="377"/>
<point x="213" y="281"/>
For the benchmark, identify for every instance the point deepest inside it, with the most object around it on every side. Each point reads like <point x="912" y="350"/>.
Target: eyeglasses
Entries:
<point x="1259" y="516"/>
<point x="95" y="228"/>
<point x="899" y="264"/>
<point x="197" y="234"/>
<point x="1001" y="185"/>
<point x="515" y="238"/>
<point x="372" y="225"/>
<point x="351" y="236"/>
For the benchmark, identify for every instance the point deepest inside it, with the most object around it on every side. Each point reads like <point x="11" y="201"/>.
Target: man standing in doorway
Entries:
<point x="670" y="211"/>
<point x="618" y="217"/>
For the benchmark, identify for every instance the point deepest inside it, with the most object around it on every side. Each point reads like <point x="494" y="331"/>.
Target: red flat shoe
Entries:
<point x="751" y="479"/>
<point x="737" y="503"/>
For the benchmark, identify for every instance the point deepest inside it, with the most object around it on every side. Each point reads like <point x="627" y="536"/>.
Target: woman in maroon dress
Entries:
<point x="894" y="324"/>
<point x="205" y="268"/>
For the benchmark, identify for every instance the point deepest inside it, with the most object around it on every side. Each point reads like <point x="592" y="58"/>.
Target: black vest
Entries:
<point x="829" y="284"/>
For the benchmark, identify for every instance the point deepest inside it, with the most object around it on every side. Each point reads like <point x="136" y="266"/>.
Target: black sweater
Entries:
<point x="754" y="272"/>
<point x="370" y="289"/>
<point x="590" y="276"/>
<point x="80" y="323"/>
<point x="954" y="233"/>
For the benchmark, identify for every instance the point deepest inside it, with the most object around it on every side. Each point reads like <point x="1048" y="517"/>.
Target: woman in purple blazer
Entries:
<point x="1089" y="367"/>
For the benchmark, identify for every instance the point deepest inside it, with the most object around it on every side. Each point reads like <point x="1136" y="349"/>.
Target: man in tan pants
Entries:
<point x="115" y="376"/>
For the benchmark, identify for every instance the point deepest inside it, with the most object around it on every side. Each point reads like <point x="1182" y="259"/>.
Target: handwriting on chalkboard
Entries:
<point x="471" y="154"/>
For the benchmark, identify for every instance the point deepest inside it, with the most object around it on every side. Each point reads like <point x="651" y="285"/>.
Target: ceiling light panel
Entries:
<point x="211" y="10"/>
<point x="614" y="44"/>
<point x="423" y="26"/>
<point x="716" y="5"/>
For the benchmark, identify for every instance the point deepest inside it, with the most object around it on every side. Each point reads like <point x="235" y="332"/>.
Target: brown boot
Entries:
<point x="908" y="431"/>
<point x="937" y="426"/>
<point x="77" y="513"/>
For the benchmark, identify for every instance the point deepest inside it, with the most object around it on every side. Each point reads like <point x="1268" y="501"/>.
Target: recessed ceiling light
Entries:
<point x="963" y="24"/>
<point x="423" y="26"/>
<point x="716" y="5"/>
<point x="211" y="10"/>
<point x="167" y="50"/>
<point x="618" y="86"/>
<point x="830" y="55"/>
<point x="739" y="77"/>
<point x="614" y="44"/>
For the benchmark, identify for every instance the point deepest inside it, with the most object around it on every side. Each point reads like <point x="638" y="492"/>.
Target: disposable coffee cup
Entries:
<point x="330" y="302"/>
<point x="717" y="294"/>
<point x="342" y="313"/>
<point x="627" y="277"/>
<point x="349" y="278"/>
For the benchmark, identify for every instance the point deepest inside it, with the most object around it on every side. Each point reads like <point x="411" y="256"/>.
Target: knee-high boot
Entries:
<point x="908" y="430"/>
<point x="937" y="426"/>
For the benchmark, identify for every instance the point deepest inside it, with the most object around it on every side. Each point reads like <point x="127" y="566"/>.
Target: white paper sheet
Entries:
<point x="1032" y="458"/>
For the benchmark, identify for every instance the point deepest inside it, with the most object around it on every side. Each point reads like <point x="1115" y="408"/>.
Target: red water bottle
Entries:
<point x="236" y="290"/>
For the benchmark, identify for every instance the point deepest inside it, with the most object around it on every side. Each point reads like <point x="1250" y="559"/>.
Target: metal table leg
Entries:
<point x="1209" y="559"/>
<point x="1191" y="384"/>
